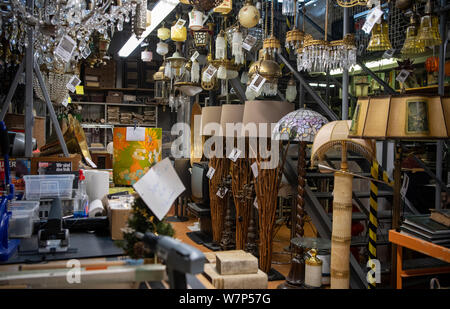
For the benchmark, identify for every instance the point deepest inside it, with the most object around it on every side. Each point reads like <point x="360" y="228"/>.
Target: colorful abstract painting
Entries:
<point x="132" y="159"/>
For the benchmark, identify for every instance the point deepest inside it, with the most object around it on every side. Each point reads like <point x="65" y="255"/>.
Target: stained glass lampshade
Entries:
<point x="299" y="125"/>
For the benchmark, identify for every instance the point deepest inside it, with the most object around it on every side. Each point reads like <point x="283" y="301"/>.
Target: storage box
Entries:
<point x="48" y="165"/>
<point x="24" y="213"/>
<point x="114" y="97"/>
<point x="118" y="212"/>
<point x="16" y="123"/>
<point x="235" y="262"/>
<point x="45" y="186"/>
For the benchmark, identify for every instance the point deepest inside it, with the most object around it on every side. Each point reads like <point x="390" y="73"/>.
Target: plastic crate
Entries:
<point x="67" y="206"/>
<point x="24" y="213"/>
<point x="46" y="186"/>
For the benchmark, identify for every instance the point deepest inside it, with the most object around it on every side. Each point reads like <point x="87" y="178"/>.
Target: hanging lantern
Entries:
<point x="236" y="49"/>
<point x="168" y="70"/>
<point x="288" y="7"/>
<point x="379" y="40"/>
<point x="271" y="71"/>
<point x="224" y="8"/>
<point x="177" y="63"/>
<point x="220" y="46"/>
<point x="163" y="33"/>
<point x="201" y="37"/>
<point x="162" y="48"/>
<point x="178" y="34"/>
<point x="412" y="45"/>
<point x="146" y="55"/>
<point x="249" y="15"/>
<point x="195" y="72"/>
<point x="291" y="91"/>
<point x="428" y="34"/>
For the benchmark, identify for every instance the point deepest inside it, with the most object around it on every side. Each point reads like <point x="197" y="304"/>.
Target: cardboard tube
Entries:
<point x="341" y="234"/>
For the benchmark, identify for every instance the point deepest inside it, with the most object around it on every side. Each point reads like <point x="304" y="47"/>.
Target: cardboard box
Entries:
<point x="55" y="164"/>
<point x="118" y="212"/>
<point x="235" y="262"/>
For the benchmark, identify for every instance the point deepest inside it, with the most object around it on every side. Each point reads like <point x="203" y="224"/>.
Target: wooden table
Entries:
<point x="422" y="246"/>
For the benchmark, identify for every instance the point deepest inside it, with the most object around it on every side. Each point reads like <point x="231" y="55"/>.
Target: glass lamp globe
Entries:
<point x="162" y="48"/>
<point x="249" y="15"/>
<point x="163" y="33"/>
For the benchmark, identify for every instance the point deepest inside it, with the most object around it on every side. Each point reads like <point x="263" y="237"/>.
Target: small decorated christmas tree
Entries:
<point x="142" y="220"/>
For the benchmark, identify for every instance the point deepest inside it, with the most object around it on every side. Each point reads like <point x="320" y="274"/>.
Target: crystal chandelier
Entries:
<point x="315" y="54"/>
<point x="294" y="37"/>
<point x="68" y="26"/>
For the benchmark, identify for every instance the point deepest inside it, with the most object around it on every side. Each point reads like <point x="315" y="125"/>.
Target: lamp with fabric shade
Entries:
<point x="402" y="117"/>
<point x="336" y="135"/>
<point x="268" y="180"/>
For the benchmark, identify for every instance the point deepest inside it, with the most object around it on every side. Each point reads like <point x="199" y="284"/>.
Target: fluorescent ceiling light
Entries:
<point x="370" y="65"/>
<point x="161" y="9"/>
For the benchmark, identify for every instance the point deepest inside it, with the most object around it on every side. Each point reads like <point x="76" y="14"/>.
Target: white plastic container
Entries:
<point x="45" y="186"/>
<point x="24" y="213"/>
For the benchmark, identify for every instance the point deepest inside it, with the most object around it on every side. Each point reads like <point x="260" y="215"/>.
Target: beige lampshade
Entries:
<point x="402" y="117"/>
<point x="231" y="114"/>
<point x="268" y="112"/>
<point x="333" y="135"/>
<point x="210" y="114"/>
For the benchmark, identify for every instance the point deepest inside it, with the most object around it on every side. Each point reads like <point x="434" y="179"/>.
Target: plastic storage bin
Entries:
<point x="24" y="213"/>
<point x="45" y="186"/>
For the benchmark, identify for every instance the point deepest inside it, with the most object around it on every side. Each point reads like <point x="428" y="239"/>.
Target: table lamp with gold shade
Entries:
<point x="268" y="180"/>
<point x="336" y="135"/>
<point x="402" y="117"/>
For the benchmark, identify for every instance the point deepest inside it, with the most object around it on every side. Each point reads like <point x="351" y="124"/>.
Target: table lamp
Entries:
<point x="335" y="135"/>
<point x="300" y="126"/>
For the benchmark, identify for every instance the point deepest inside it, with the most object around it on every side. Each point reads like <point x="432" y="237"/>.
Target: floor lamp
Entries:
<point x="397" y="118"/>
<point x="335" y="135"/>
<point x="300" y="126"/>
<point x="262" y="115"/>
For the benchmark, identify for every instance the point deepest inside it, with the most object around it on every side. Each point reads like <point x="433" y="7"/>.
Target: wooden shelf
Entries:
<point x="426" y="89"/>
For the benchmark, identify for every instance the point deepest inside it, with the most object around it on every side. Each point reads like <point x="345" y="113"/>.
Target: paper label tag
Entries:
<point x="195" y="56"/>
<point x="255" y="203"/>
<point x="65" y="48"/>
<point x="73" y="83"/>
<point x="180" y="23"/>
<point x="389" y="53"/>
<point x="372" y="19"/>
<point x="222" y="192"/>
<point x="135" y="134"/>
<point x="89" y="161"/>
<point x="211" y="172"/>
<point x="402" y="76"/>
<point x="85" y="52"/>
<point x="257" y="83"/>
<point x="405" y="185"/>
<point x="234" y="154"/>
<point x="210" y="72"/>
<point x="65" y="102"/>
<point x="248" y="42"/>
<point x="79" y="90"/>
<point x="255" y="169"/>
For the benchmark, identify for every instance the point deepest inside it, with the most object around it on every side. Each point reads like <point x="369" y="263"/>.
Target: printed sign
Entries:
<point x="372" y="19"/>
<point x="73" y="83"/>
<point x="65" y="48"/>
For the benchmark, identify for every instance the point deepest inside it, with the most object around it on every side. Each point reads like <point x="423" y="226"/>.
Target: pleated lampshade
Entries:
<point x="264" y="112"/>
<point x="405" y="117"/>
